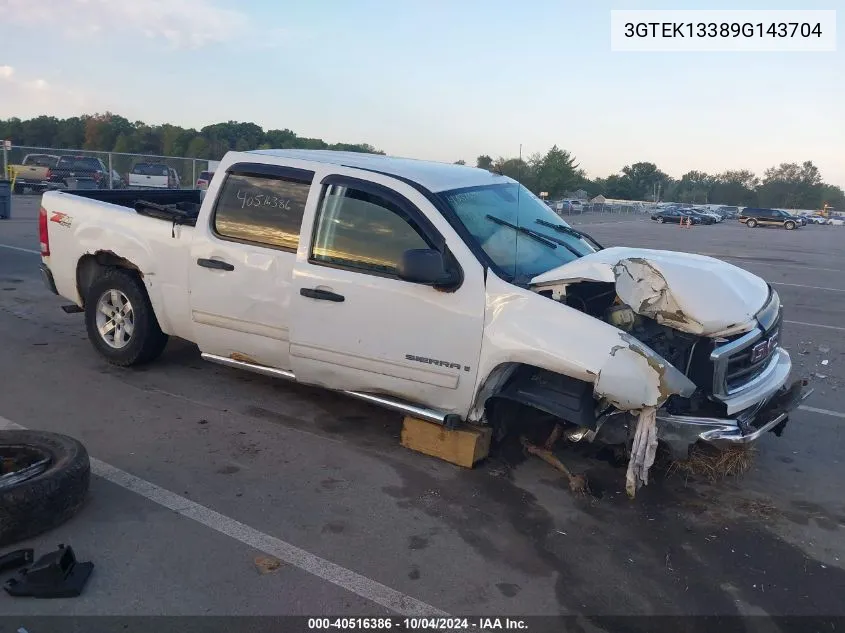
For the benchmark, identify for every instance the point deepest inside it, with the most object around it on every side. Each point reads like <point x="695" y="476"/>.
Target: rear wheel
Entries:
<point x="120" y="320"/>
<point x="751" y="223"/>
<point x="789" y="225"/>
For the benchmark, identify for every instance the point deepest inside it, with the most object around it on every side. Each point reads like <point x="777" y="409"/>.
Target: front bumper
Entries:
<point x="681" y="432"/>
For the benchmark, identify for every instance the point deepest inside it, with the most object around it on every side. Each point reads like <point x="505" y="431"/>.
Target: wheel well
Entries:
<point x="90" y="267"/>
<point x="552" y="393"/>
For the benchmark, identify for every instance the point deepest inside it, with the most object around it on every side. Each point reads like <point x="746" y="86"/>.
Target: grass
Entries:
<point x="715" y="464"/>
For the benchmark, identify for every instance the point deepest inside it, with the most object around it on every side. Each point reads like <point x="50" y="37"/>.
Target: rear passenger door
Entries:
<point x="242" y="262"/>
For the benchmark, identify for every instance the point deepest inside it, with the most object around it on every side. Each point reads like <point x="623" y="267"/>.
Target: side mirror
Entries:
<point x="424" y="266"/>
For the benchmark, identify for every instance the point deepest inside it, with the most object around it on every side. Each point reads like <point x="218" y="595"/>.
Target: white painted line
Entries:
<point x="835" y="414"/>
<point x="827" y="327"/>
<point x="781" y="283"/>
<point x="18" y="248"/>
<point x="372" y="590"/>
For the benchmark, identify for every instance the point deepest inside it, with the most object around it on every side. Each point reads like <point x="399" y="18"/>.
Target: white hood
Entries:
<point x="692" y="293"/>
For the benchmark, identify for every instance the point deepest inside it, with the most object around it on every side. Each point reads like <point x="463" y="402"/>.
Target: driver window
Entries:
<point x="362" y="232"/>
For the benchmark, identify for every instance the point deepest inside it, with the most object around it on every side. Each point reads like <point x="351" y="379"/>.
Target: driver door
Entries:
<point x="356" y="325"/>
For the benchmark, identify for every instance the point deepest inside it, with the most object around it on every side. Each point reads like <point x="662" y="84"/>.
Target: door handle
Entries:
<point x="215" y="263"/>
<point x="321" y="295"/>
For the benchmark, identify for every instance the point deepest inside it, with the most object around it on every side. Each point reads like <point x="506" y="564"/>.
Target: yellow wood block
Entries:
<point x="463" y="446"/>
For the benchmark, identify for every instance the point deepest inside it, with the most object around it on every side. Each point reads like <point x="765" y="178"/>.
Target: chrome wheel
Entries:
<point x="115" y="319"/>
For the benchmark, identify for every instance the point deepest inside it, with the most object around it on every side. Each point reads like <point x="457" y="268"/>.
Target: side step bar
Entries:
<point x="448" y="420"/>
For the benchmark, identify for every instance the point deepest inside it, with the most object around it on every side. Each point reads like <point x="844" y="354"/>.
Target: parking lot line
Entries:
<point x="781" y="283"/>
<point x="353" y="582"/>
<point x="827" y="327"/>
<point x="18" y="248"/>
<point x="835" y="414"/>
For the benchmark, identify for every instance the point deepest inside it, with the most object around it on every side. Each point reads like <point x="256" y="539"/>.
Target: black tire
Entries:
<point x="147" y="341"/>
<point x="751" y="223"/>
<point x="47" y="500"/>
<point x="789" y="225"/>
<point x="660" y="220"/>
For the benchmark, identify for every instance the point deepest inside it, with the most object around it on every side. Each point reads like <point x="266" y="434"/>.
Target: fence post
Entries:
<point x="111" y="171"/>
<point x="194" y="172"/>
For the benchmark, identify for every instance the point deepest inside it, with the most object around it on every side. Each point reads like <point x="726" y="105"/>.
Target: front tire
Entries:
<point x="120" y="320"/>
<point x="789" y="225"/>
<point x="751" y="223"/>
<point x="660" y="220"/>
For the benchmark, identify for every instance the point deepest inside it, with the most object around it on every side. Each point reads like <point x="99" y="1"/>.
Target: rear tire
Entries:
<point x="50" y="498"/>
<point x="120" y="320"/>
<point x="660" y="220"/>
<point x="751" y="223"/>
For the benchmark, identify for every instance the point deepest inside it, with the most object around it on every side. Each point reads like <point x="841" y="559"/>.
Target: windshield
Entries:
<point x="516" y="229"/>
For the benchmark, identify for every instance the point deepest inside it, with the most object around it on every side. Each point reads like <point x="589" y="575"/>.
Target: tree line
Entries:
<point x="787" y="185"/>
<point x="556" y="172"/>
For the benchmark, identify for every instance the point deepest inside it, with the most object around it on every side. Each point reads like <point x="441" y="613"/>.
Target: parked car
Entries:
<point x="704" y="218"/>
<point x="727" y="212"/>
<point x="673" y="216"/>
<point x="289" y="268"/>
<point x="153" y="176"/>
<point x="569" y="206"/>
<point x="204" y="179"/>
<point x="80" y="172"/>
<point x="816" y="218"/>
<point x="33" y="172"/>
<point x="752" y="217"/>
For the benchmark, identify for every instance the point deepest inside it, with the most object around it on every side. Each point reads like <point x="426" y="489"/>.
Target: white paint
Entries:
<point x="781" y="283"/>
<point x="835" y="414"/>
<point x="755" y="261"/>
<point x="715" y="296"/>
<point x="827" y="327"/>
<point x="353" y="582"/>
<point x="18" y="248"/>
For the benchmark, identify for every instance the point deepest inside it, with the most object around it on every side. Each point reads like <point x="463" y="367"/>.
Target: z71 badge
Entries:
<point x="61" y="218"/>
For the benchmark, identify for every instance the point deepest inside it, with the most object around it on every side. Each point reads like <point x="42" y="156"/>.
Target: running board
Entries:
<point x="448" y="420"/>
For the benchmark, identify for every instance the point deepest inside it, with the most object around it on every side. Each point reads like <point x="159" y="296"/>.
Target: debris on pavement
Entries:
<point x="56" y="574"/>
<point x="715" y="464"/>
<point x="267" y="564"/>
<point x="16" y="559"/>
<point x="577" y="483"/>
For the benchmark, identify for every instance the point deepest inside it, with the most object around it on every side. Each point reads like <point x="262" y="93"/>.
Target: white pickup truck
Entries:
<point x="436" y="290"/>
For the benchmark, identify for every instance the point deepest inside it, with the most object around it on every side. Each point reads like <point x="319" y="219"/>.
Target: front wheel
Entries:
<point x="120" y="320"/>
<point x="660" y="220"/>
<point x="751" y="223"/>
<point x="789" y="225"/>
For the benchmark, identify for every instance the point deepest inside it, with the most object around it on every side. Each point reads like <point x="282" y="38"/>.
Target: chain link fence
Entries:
<point x="571" y="208"/>
<point x="39" y="169"/>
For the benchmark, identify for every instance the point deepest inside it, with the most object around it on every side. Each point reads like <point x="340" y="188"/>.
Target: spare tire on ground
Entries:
<point x="44" y="480"/>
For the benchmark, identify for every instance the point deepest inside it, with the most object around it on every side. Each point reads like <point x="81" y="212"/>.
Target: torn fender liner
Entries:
<point x="643" y="451"/>
<point x="634" y="377"/>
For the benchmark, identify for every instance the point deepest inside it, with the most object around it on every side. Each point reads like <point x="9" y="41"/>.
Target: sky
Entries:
<point x="436" y="79"/>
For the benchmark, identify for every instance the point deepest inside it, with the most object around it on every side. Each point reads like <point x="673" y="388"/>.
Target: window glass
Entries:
<point x="363" y="231"/>
<point x="261" y="209"/>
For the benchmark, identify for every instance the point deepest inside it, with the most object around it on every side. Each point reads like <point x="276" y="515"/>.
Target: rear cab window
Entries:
<point x="264" y="209"/>
<point x="147" y="169"/>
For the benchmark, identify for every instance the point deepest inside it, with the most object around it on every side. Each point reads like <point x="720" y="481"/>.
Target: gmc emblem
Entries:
<point x="764" y="348"/>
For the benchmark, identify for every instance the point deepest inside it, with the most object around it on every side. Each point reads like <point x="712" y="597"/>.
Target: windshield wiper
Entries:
<point x="562" y="228"/>
<point x="548" y="241"/>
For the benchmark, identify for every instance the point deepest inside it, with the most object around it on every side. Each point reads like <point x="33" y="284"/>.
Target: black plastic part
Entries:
<point x="452" y="421"/>
<point x="47" y="278"/>
<point x="215" y="263"/>
<point x="54" y="575"/>
<point x="72" y="308"/>
<point x="321" y="295"/>
<point x="558" y="395"/>
<point x="16" y="559"/>
<point x="130" y="197"/>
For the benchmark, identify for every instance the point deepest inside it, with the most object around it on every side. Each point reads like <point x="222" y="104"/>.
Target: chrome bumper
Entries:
<point x="680" y="432"/>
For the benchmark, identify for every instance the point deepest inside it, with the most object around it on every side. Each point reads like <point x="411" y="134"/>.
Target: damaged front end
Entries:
<point x="699" y="358"/>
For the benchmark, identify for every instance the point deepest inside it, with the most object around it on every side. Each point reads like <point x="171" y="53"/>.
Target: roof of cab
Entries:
<point x="432" y="175"/>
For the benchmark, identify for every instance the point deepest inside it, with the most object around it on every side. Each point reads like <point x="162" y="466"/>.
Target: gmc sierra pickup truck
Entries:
<point x="436" y="290"/>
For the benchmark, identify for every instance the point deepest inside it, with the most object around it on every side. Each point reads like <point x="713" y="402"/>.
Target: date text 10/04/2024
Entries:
<point x="723" y="29"/>
<point x="419" y="624"/>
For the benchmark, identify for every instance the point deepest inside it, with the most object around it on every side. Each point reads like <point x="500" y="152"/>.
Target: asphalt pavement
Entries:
<point x="201" y="469"/>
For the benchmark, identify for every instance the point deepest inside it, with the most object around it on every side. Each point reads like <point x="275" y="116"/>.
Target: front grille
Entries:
<point x="733" y="365"/>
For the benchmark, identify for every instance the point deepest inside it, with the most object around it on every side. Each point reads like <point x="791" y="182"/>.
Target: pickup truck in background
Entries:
<point x="204" y="179"/>
<point x="442" y="291"/>
<point x="79" y="172"/>
<point x="33" y="172"/>
<point x="153" y="176"/>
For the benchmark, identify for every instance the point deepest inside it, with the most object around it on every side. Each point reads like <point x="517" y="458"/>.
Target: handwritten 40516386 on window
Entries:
<point x="261" y="210"/>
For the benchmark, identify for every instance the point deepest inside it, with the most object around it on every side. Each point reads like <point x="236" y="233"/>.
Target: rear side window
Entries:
<point x="80" y="163"/>
<point x="363" y="231"/>
<point x="264" y="210"/>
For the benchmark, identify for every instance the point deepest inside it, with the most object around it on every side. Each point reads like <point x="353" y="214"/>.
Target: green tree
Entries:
<point x="460" y="162"/>
<point x="556" y="172"/>
<point x="484" y="162"/>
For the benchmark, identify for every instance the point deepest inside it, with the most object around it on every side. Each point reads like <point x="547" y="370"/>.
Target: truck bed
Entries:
<point x="173" y="205"/>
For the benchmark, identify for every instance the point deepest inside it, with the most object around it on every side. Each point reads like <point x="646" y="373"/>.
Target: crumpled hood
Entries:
<point x="691" y="293"/>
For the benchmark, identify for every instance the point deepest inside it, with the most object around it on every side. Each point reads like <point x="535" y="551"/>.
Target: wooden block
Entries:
<point x="463" y="446"/>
